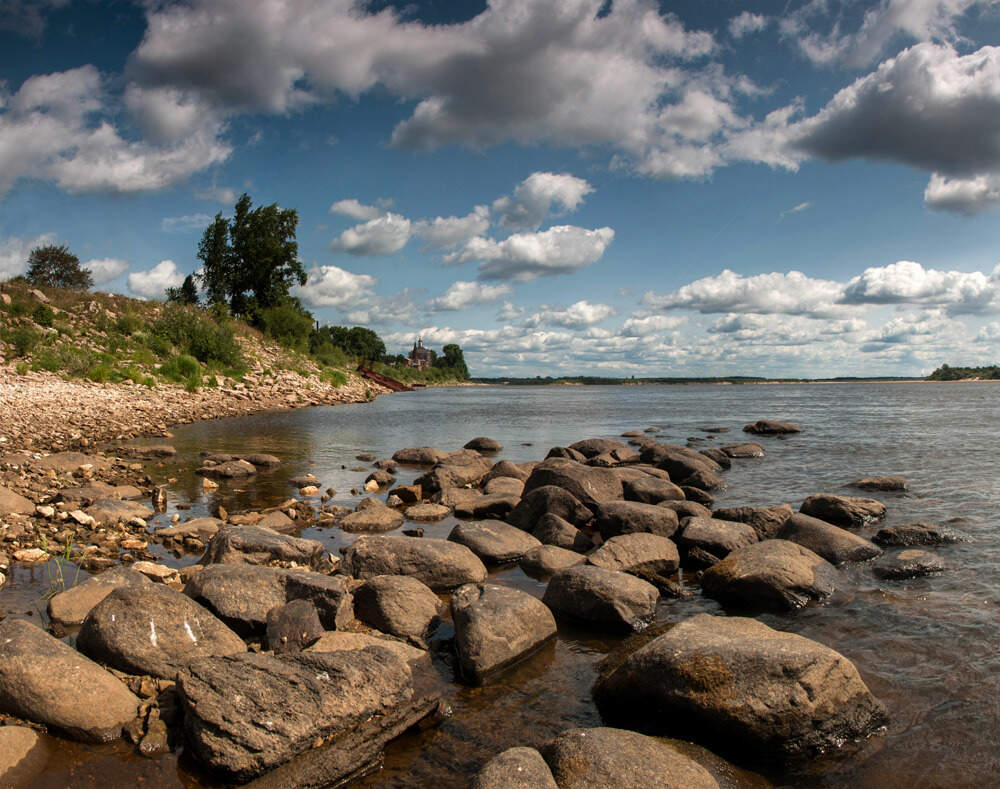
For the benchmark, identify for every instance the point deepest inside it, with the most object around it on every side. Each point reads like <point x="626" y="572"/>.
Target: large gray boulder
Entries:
<point x="846" y="511"/>
<point x="549" y="559"/>
<point x="766" y="521"/>
<point x="241" y="595"/>
<point x="45" y="681"/>
<point x="23" y="756"/>
<point x="548" y="499"/>
<point x="484" y="444"/>
<point x="651" y="490"/>
<point x="592" y="447"/>
<point x="908" y="534"/>
<point x="506" y="469"/>
<point x="769" y="427"/>
<point x="688" y="509"/>
<point x="715" y="537"/>
<point x="258" y="545"/>
<point x="371" y="515"/>
<point x="247" y="714"/>
<point x="834" y="544"/>
<point x="736" y="683"/>
<point x="606" y="757"/>
<point x="639" y="554"/>
<point x="771" y="575"/>
<point x="398" y="605"/>
<point x="685" y="466"/>
<point x="496" y="626"/>
<point x="419" y="456"/>
<point x="909" y="563"/>
<point x="496" y="505"/>
<point x="455" y="471"/>
<point x="603" y="598"/>
<point x="108" y="512"/>
<point x="631" y="517"/>
<point x="515" y="768"/>
<point x="70" y="608"/>
<point x="553" y="530"/>
<point x="495" y="542"/>
<point x="749" y="449"/>
<point x="588" y="484"/>
<point x="439" y="564"/>
<point x="153" y="630"/>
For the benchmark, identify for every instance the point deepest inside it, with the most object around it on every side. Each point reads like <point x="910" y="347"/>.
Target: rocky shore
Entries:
<point x="277" y="663"/>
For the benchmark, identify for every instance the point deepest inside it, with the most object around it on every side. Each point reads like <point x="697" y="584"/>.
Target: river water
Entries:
<point x="929" y="648"/>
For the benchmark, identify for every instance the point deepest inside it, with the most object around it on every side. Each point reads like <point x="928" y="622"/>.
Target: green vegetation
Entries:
<point x="57" y="267"/>
<point x="947" y="373"/>
<point x="197" y="333"/>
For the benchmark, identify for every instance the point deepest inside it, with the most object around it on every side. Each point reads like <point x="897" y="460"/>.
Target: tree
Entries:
<point x="187" y="293"/>
<point x="57" y="267"/>
<point x="251" y="261"/>
<point x="453" y="359"/>
<point x="359" y="342"/>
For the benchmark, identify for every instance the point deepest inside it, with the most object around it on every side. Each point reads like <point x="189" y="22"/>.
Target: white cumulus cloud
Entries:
<point x="153" y="283"/>
<point x="539" y="195"/>
<point x="332" y="286"/>
<point x="383" y="235"/>
<point x="356" y="210"/>
<point x="465" y="294"/>
<point x="576" y="316"/>
<point x="105" y="269"/>
<point x="747" y="22"/>
<point x="14" y="253"/>
<point x="907" y="282"/>
<point x="444" y="232"/>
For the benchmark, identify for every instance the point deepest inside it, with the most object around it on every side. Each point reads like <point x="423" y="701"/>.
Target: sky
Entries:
<point x="807" y="188"/>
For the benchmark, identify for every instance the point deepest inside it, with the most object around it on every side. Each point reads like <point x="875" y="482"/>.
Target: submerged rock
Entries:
<point x="419" y="456"/>
<point x="439" y="564"/>
<point x="911" y="563"/>
<point x="906" y="534"/>
<point x="886" y="484"/>
<point x="736" y="683"/>
<point x="605" y="598"/>
<point x="846" y="511"/>
<point x="749" y="449"/>
<point x="768" y="427"/>
<point x="23" y="756"/>
<point x="515" y="768"/>
<point x="484" y="444"/>
<point x="834" y="544"/>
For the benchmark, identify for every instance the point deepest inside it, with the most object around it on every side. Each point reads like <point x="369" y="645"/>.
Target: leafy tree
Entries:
<point x="57" y="267"/>
<point x="287" y="322"/>
<point x="251" y="261"/>
<point x="453" y="359"/>
<point x="187" y="293"/>
<point x="358" y="342"/>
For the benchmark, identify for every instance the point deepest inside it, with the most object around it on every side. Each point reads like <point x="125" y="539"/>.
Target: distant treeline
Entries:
<point x="589" y="380"/>
<point x="947" y="373"/>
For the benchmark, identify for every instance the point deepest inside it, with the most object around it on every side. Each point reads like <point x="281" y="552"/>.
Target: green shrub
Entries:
<point x="337" y="378"/>
<point x="330" y="355"/>
<point x="128" y="323"/>
<point x="100" y="373"/>
<point x="193" y="332"/>
<point x="161" y="346"/>
<point x="288" y="323"/>
<point x="21" y="368"/>
<point x="18" y="308"/>
<point x="43" y="315"/>
<point x="180" y="368"/>
<point x="22" y="339"/>
<point x="193" y="381"/>
<point x="212" y="382"/>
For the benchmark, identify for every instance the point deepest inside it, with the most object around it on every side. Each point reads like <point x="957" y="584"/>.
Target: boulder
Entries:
<point x="834" y="544"/>
<point x="199" y="528"/>
<point x="846" y="511"/>
<point x="241" y="595"/>
<point x="567" y="453"/>
<point x="907" y="534"/>
<point x="768" y="427"/>
<point x="304" y="481"/>
<point x="603" y="598"/>
<point x="439" y="564"/>
<point x="257" y="545"/>
<point x="45" y="681"/>
<point x="85" y="495"/>
<point x="771" y="575"/>
<point x="613" y="458"/>
<point x="277" y="521"/>
<point x="506" y="469"/>
<point x="262" y="460"/>
<point x="12" y="503"/>
<point x="553" y="530"/>
<point x="292" y="627"/>
<point x="504" y="486"/>
<point x="495" y="542"/>
<point x="70" y="608"/>
<point x="23" y="756"/>
<point x="716" y="537"/>
<point x="749" y="449"/>
<point x="371" y="515"/>
<point x="588" y="484"/>
<point x="716" y="454"/>
<point x="885" y="484"/>
<point x="736" y="683"/>
<point x="629" y="517"/>
<point x="909" y="563"/>
<point x="515" y="768"/>
<point x="153" y="630"/>
<point x="549" y="559"/>
<point x="382" y="479"/>
<point x="455" y="471"/>
<point x="766" y="521"/>
<point x="247" y="714"/>
<point x="702" y="480"/>
<point x="638" y="554"/>
<point x="399" y="605"/>
<point x="408" y="494"/>
<point x="606" y="757"/>
<point x="698" y="495"/>
<point x="650" y="490"/>
<point x="427" y="512"/>
<point x="592" y="447"/>
<point x="155" y="452"/>
<point x="108" y="512"/>
<point x="460" y="498"/>
<point x="345" y="641"/>
<point x="232" y="469"/>
<point x="419" y="456"/>
<point x="688" y="509"/>
<point x="498" y="505"/>
<point x="548" y="499"/>
<point x="496" y="626"/>
<point x="484" y="444"/>
<point x="68" y="462"/>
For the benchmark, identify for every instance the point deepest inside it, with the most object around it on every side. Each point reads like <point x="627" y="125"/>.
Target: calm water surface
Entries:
<point x="929" y="648"/>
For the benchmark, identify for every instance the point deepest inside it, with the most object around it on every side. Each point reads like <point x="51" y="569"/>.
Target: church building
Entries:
<point x="420" y="357"/>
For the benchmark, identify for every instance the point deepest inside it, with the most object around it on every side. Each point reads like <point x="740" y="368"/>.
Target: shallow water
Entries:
<point x="929" y="648"/>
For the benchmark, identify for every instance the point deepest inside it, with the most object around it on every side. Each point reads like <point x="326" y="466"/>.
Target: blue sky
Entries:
<point x="561" y="186"/>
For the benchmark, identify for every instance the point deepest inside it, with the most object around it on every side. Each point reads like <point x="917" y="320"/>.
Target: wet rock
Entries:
<point x="906" y="534"/>
<point x="427" y="512"/>
<point x="567" y="453"/>
<point x="515" y="768"/>
<point x="419" y="456"/>
<point x="233" y="469"/>
<point x="69" y="462"/>
<point x="637" y="554"/>
<point x="767" y="427"/>
<point x="604" y="598"/>
<point x="108" y="512"/>
<point x="22" y="756"/>
<point x="262" y="460"/>
<point x="70" y="608"/>
<point x="382" y="479"/>
<point x="716" y="537"/>
<point x="292" y="627"/>
<point x="304" y="481"/>
<point x="484" y="444"/>
<point x="494" y="542"/>
<point x="506" y="469"/>
<point x="698" y="495"/>
<point x="455" y="471"/>
<point x="153" y="630"/>
<point x="200" y="528"/>
<point x="372" y="515"/>
<point x="749" y="449"/>
<point x="846" y="511"/>
<point x="629" y="517"/>
<point x="365" y="457"/>
<point x="241" y="595"/>
<point x="155" y="452"/>
<point x="548" y="499"/>
<point x="716" y="454"/>
<point x="247" y="714"/>
<point x="688" y="509"/>
<point x="834" y="544"/>
<point x="587" y="484"/>
<point x="85" y="495"/>
<point x="650" y="490"/>
<point x="592" y="447"/>
<point x="155" y="741"/>
<point x="408" y="494"/>
<point x="771" y="575"/>
<point x="736" y="683"/>
<point x="399" y="605"/>
<point x="702" y="480"/>
<point x="387" y="465"/>
<point x="439" y="564"/>
<point x="766" y="521"/>
<point x="493" y="506"/>
<point x="910" y="563"/>
<point x="549" y="559"/>
<point x="606" y="757"/>
<point x="45" y="681"/>
<point x="553" y="530"/>
<point x="504" y="486"/>
<point x="256" y="545"/>
<point x="343" y="641"/>
<point x="496" y="626"/>
<point x="885" y="484"/>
